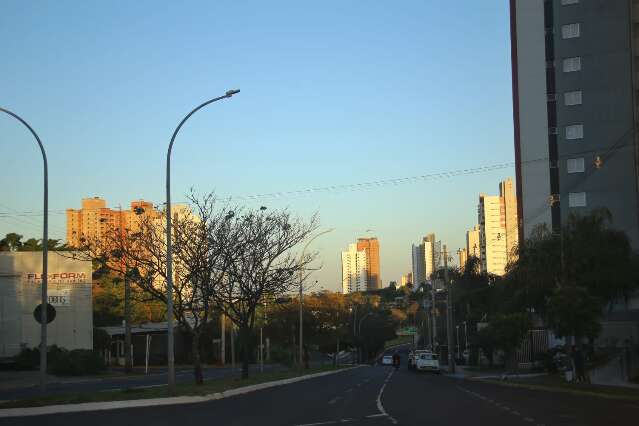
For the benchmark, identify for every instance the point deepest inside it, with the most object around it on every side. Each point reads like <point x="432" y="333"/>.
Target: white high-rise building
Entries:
<point x="354" y="270"/>
<point x="426" y="259"/>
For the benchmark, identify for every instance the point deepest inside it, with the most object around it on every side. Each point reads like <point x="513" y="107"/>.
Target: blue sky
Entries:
<point x="333" y="92"/>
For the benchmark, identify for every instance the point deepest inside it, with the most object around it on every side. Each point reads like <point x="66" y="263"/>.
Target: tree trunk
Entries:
<point x="197" y="362"/>
<point x="244" y="337"/>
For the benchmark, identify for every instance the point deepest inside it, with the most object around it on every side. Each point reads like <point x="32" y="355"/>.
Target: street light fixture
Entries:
<point x="45" y="254"/>
<point x="301" y="277"/>
<point x="169" y="249"/>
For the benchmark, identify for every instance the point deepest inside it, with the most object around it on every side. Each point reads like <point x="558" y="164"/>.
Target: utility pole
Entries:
<point x="433" y="309"/>
<point x="128" y="356"/>
<point x="223" y="339"/>
<point x="233" y="347"/>
<point x="449" y="315"/>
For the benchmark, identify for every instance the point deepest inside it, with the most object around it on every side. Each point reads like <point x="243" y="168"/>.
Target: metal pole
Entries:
<point x="45" y="254"/>
<point x="466" y="335"/>
<point x="449" y="316"/>
<point x="223" y="339"/>
<point x="233" y="347"/>
<point x="261" y="351"/>
<point x="169" y="245"/>
<point x="457" y="342"/>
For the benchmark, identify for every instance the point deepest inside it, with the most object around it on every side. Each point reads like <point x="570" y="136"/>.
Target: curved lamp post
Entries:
<point x="301" y="363"/>
<point x="45" y="254"/>
<point x="169" y="252"/>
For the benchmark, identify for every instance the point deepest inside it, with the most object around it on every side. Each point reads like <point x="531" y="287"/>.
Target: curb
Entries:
<point x="580" y="392"/>
<point x="151" y="402"/>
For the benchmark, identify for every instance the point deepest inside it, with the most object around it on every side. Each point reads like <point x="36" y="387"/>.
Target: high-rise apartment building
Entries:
<point x="354" y="270"/>
<point x="473" y="248"/>
<point x="371" y="247"/>
<point x="419" y="266"/>
<point x="496" y="240"/>
<point x="426" y="259"/>
<point x="406" y="279"/>
<point x="94" y="220"/>
<point x="575" y="83"/>
<point x="463" y="257"/>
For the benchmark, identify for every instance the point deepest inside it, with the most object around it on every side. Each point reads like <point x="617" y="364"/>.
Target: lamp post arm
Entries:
<point x="45" y="252"/>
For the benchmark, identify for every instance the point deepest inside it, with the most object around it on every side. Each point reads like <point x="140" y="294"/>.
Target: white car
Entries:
<point x="387" y="360"/>
<point x="427" y="361"/>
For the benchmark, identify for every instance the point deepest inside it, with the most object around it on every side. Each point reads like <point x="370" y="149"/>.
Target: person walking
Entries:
<point x="580" y="365"/>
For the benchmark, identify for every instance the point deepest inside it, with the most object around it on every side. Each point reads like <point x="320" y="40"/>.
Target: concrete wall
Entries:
<point x="20" y="287"/>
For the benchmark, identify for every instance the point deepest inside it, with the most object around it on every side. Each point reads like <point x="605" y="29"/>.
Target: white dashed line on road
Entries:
<point x="498" y="405"/>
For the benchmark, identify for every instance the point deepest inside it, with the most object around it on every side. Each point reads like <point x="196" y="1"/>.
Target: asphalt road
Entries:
<point x="371" y="396"/>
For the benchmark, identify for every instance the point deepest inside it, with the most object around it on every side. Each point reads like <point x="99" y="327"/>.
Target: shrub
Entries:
<point x="77" y="362"/>
<point x="27" y="359"/>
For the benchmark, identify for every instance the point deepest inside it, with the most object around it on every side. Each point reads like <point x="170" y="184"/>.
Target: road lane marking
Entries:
<point x="372" y="416"/>
<point x="334" y="400"/>
<point x="349" y="390"/>
<point x="380" y="407"/>
<point x="498" y="405"/>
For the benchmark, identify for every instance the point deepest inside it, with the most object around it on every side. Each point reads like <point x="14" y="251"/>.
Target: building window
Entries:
<point x="575" y="165"/>
<point x="570" y="31"/>
<point x="572" y="98"/>
<point x="576" y="131"/>
<point x="576" y="199"/>
<point x="567" y="2"/>
<point x="572" y="64"/>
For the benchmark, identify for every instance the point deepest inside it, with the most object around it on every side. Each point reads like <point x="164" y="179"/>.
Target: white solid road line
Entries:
<point x="380" y="407"/>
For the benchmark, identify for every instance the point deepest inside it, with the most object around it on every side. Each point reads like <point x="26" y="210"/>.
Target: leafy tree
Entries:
<point x="572" y="311"/>
<point x="11" y="242"/>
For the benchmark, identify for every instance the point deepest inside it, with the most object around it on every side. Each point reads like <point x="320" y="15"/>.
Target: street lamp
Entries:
<point x="45" y="255"/>
<point x="359" y="334"/>
<point x="301" y="354"/>
<point x="169" y="250"/>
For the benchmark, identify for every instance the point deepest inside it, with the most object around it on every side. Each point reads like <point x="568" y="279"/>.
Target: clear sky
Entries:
<point x="333" y="92"/>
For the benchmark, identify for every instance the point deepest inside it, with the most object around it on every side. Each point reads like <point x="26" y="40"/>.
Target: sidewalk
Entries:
<point x="473" y="373"/>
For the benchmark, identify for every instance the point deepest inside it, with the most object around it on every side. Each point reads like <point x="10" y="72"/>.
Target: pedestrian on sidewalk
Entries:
<point x="579" y="365"/>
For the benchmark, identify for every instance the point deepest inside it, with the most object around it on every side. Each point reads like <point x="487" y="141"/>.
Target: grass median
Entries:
<point x="181" y="389"/>
<point x="555" y="383"/>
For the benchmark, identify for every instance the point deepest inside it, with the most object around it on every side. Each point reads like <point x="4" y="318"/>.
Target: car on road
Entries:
<point x="427" y="361"/>
<point x="387" y="360"/>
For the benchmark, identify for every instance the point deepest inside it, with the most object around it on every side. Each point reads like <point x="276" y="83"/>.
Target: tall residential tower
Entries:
<point x="575" y="66"/>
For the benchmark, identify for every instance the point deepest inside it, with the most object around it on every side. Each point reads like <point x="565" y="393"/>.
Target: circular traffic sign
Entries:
<point x="37" y="313"/>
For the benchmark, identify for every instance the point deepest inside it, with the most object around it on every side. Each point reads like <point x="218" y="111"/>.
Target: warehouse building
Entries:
<point x="69" y="292"/>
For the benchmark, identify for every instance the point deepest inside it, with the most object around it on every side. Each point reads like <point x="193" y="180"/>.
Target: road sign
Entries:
<point x="37" y="313"/>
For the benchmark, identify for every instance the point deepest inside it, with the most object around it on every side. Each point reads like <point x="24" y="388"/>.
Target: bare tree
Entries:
<point x="260" y="263"/>
<point x="199" y="262"/>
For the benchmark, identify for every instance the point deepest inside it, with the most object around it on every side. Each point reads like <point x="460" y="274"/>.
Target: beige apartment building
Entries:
<point x="463" y="257"/>
<point x="473" y="248"/>
<point x="94" y="220"/>
<point x="498" y="231"/>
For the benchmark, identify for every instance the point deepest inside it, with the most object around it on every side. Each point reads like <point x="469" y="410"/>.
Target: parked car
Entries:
<point x="387" y="360"/>
<point x="427" y="361"/>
